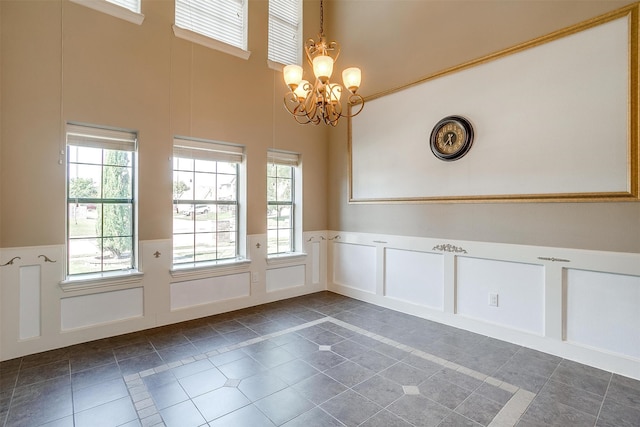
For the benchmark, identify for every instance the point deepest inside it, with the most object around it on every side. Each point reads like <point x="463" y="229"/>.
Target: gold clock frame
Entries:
<point x="633" y="141"/>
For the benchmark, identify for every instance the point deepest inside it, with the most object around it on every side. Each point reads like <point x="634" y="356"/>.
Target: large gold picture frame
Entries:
<point x="363" y="190"/>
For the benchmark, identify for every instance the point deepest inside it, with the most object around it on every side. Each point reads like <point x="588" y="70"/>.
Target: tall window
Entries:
<point x="285" y="31"/>
<point x="221" y="20"/>
<point x="101" y="205"/>
<point x="205" y="201"/>
<point x="281" y="202"/>
<point x="132" y="5"/>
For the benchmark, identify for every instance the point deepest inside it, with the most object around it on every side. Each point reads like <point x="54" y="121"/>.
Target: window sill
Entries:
<point x="287" y="258"/>
<point x="210" y="43"/>
<point x="113" y="10"/>
<point x="201" y="270"/>
<point x="276" y="66"/>
<point x="101" y="280"/>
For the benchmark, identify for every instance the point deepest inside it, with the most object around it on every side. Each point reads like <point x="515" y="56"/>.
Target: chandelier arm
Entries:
<point x="355" y="100"/>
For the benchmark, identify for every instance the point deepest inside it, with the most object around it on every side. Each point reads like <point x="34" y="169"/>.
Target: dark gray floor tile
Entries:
<point x="385" y="419"/>
<point x="62" y="422"/>
<point x="219" y="402"/>
<point x="294" y="371"/>
<point x="419" y="411"/>
<point x="457" y="420"/>
<point x="180" y="352"/>
<point x="203" y="382"/>
<point x="227" y="357"/>
<point x="582" y="377"/>
<point x="300" y="347"/>
<point x="168" y="395"/>
<point x="620" y="392"/>
<point x="273" y="357"/>
<point x="41" y="402"/>
<point x="247" y="416"/>
<point x="316" y="417"/>
<point x="261" y="385"/>
<point x="41" y="373"/>
<point x="227" y="326"/>
<point x="95" y="375"/>
<point x="99" y="394"/>
<point x="424" y="365"/>
<point x="81" y="361"/>
<point x="133" y="350"/>
<point x="405" y="374"/>
<point x="110" y="414"/>
<point x="158" y="380"/>
<point x="517" y="376"/>
<point x="545" y="411"/>
<point x="141" y="363"/>
<point x="240" y="335"/>
<point x="348" y="349"/>
<point x="571" y="396"/>
<point x="374" y="361"/>
<point x="380" y="390"/>
<point x="323" y="360"/>
<point x="494" y="393"/>
<point x="170" y="337"/>
<point x="479" y="409"/>
<point x="319" y="388"/>
<point x="349" y="373"/>
<point x="205" y="345"/>
<point x="192" y="368"/>
<point x="258" y="347"/>
<point x="284" y="405"/>
<point x="614" y="414"/>
<point x="443" y="392"/>
<point x="183" y="414"/>
<point x="337" y="329"/>
<point x="625" y="381"/>
<point x="350" y="408"/>
<point x="200" y="333"/>
<point x="45" y="358"/>
<point x="241" y="368"/>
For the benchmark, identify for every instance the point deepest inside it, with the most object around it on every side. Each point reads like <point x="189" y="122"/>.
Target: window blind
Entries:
<point x="283" y="158"/>
<point x="223" y="20"/>
<point x="132" y="5"/>
<point x="205" y="150"/>
<point x="285" y="29"/>
<point x="109" y="139"/>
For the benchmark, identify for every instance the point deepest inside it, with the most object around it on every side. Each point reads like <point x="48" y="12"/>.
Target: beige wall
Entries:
<point x="64" y="62"/>
<point x="399" y="42"/>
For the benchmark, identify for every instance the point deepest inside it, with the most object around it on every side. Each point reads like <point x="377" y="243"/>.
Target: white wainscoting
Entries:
<point x="354" y="266"/>
<point x="285" y="278"/>
<point x="518" y="287"/>
<point x="590" y="293"/>
<point x="105" y="307"/>
<point x="416" y="277"/>
<point x="577" y="304"/>
<point x="38" y="314"/>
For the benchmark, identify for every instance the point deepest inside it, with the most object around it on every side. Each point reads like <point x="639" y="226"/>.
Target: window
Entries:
<point x="218" y="24"/>
<point x="129" y="10"/>
<point x="283" y="177"/>
<point x="285" y="31"/>
<point x="101" y="205"/>
<point x="205" y="201"/>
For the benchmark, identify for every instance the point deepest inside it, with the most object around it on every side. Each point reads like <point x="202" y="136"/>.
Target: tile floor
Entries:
<point x="319" y="360"/>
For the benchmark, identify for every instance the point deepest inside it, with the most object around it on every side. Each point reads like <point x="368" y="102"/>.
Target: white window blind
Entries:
<point x="285" y="30"/>
<point x="132" y="5"/>
<point x="109" y="139"/>
<point x="215" y="151"/>
<point x="223" y="20"/>
<point x="283" y="158"/>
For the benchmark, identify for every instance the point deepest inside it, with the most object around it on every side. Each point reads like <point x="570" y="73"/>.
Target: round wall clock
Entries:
<point x="451" y="138"/>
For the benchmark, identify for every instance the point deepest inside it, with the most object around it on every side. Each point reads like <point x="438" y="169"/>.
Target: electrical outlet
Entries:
<point x="255" y="278"/>
<point x="493" y="300"/>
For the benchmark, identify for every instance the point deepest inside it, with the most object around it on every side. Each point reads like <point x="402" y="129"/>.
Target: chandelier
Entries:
<point x="320" y="101"/>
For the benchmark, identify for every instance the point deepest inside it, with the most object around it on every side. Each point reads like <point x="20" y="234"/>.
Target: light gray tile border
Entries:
<point x="507" y="417"/>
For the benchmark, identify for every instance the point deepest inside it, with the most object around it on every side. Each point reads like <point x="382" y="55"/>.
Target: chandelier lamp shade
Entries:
<point x="319" y="102"/>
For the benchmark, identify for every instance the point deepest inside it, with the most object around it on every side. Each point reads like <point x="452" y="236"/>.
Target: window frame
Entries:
<point x="115" y="9"/>
<point x="286" y="158"/>
<point x="193" y="35"/>
<point x="273" y="59"/>
<point x="80" y="135"/>
<point x="191" y="148"/>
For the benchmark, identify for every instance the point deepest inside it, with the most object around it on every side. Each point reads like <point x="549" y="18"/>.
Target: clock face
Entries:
<point x="451" y="138"/>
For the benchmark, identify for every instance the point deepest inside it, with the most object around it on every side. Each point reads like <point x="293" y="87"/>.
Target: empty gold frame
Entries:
<point x="555" y="119"/>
